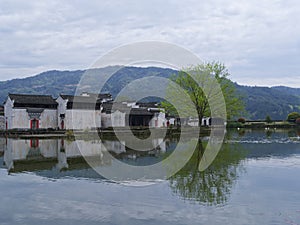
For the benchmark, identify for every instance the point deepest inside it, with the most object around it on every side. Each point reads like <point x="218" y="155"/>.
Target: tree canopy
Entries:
<point x="293" y="116"/>
<point x="189" y="79"/>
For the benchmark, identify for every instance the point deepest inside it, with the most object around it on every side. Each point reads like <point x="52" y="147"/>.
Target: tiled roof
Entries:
<point x="109" y="106"/>
<point x="23" y="99"/>
<point x="148" y="104"/>
<point x="140" y="112"/>
<point x="86" y="98"/>
<point x="80" y="99"/>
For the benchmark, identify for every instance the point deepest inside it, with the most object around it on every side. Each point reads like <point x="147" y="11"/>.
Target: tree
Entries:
<point x="189" y="78"/>
<point x="241" y="120"/>
<point x="268" y="119"/>
<point x="293" y="116"/>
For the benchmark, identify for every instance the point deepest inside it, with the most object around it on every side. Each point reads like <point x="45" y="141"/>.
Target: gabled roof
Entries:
<point x="147" y="104"/>
<point x="23" y="99"/>
<point x="140" y="112"/>
<point x="80" y="99"/>
<point x="109" y="106"/>
<point x="86" y="98"/>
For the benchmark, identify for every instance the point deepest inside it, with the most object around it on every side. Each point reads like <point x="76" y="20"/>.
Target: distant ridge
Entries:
<point x="260" y="101"/>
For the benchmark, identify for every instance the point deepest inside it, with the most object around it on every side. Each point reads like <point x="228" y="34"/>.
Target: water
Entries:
<point x="253" y="180"/>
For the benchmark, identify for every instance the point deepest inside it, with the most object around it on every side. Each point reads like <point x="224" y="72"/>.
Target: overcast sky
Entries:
<point x="258" y="40"/>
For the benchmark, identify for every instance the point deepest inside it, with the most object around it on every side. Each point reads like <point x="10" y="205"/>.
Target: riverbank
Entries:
<point x="143" y="132"/>
<point x="262" y="125"/>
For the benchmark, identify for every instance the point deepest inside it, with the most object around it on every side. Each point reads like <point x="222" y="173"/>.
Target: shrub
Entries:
<point x="241" y="120"/>
<point x="268" y="119"/>
<point x="293" y="116"/>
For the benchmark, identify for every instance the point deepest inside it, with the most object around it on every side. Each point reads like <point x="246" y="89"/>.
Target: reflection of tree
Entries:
<point x="213" y="185"/>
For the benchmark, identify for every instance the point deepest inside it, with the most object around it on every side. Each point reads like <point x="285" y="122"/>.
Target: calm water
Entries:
<point x="254" y="180"/>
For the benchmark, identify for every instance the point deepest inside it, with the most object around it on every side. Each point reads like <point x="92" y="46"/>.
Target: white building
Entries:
<point x="79" y="112"/>
<point x="87" y="111"/>
<point x="30" y="111"/>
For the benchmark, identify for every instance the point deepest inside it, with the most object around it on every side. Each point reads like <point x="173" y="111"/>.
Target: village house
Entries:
<point x="80" y="112"/>
<point x="86" y="111"/>
<point x="30" y="112"/>
<point x="120" y="114"/>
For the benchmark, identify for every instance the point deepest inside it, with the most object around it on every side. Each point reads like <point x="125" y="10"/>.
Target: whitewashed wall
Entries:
<point x="8" y="112"/>
<point x="81" y="119"/>
<point x="2" y="123"/>
<point x="118" y="119"/>
<point x="48" y="119"/>
<point x="159" y="120"/>
<point x="115" y="119"/>
<point x="20" y="119"/>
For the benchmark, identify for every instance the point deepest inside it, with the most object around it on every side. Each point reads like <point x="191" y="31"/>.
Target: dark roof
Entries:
<point x="23" y="99"/>
<point x="148" y="104"/>
<point x="108" y="107"/>
<point x="87" y="97"/>
<point x="80" y="99"/>
<point x="140" y="112"/>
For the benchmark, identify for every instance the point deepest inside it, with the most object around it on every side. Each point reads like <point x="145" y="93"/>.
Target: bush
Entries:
<point x="241" y="120"/>
<point x="292" y="117"/>
<point x="268" y="119"/>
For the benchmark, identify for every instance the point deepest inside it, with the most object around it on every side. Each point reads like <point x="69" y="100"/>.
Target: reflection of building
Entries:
<point x="87" y="111"/>
<point x="193" y="122"/>
<point x="46" y="154"/>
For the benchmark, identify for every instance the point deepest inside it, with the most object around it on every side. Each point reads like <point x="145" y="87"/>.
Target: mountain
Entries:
<point x="260" y="101"/>
<point x="277" y="102"/>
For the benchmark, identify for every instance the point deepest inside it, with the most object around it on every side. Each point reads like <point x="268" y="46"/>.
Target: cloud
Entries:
<point x="254" y="38"/>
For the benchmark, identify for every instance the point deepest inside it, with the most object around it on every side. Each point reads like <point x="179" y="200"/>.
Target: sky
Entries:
<point x="258" y="40"/>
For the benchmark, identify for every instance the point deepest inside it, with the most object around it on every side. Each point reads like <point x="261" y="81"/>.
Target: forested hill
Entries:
<point x="260" y="101"/>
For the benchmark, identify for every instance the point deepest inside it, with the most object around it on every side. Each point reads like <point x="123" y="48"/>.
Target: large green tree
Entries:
<point x="188" y="79"/>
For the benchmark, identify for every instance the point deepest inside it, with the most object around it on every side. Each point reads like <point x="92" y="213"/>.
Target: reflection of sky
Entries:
<point x="261" y="196"/>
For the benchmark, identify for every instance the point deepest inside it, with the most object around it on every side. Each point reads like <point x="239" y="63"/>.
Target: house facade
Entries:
<point x="79" y="112"/>
<point x="30" y="112"/>
<point x="86" y="111"/>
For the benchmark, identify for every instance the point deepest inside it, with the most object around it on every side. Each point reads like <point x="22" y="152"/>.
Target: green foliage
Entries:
<point x="202" y="73"/>
<point x="241" y="120"/>
<point x="268" y="119"/>
<point x="293" y="116"/>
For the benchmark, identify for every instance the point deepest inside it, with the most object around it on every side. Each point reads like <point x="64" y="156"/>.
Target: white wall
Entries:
<point x="8" y="112"/>
<point x="160" y="118"/>
<point x="48" y="119"/>
<point x="20" y="119"/>
<point x="81" y="119"/>
<point x="118" y="119"/>
<point x="115" y="119"/>
<point x="2" y="123"/>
